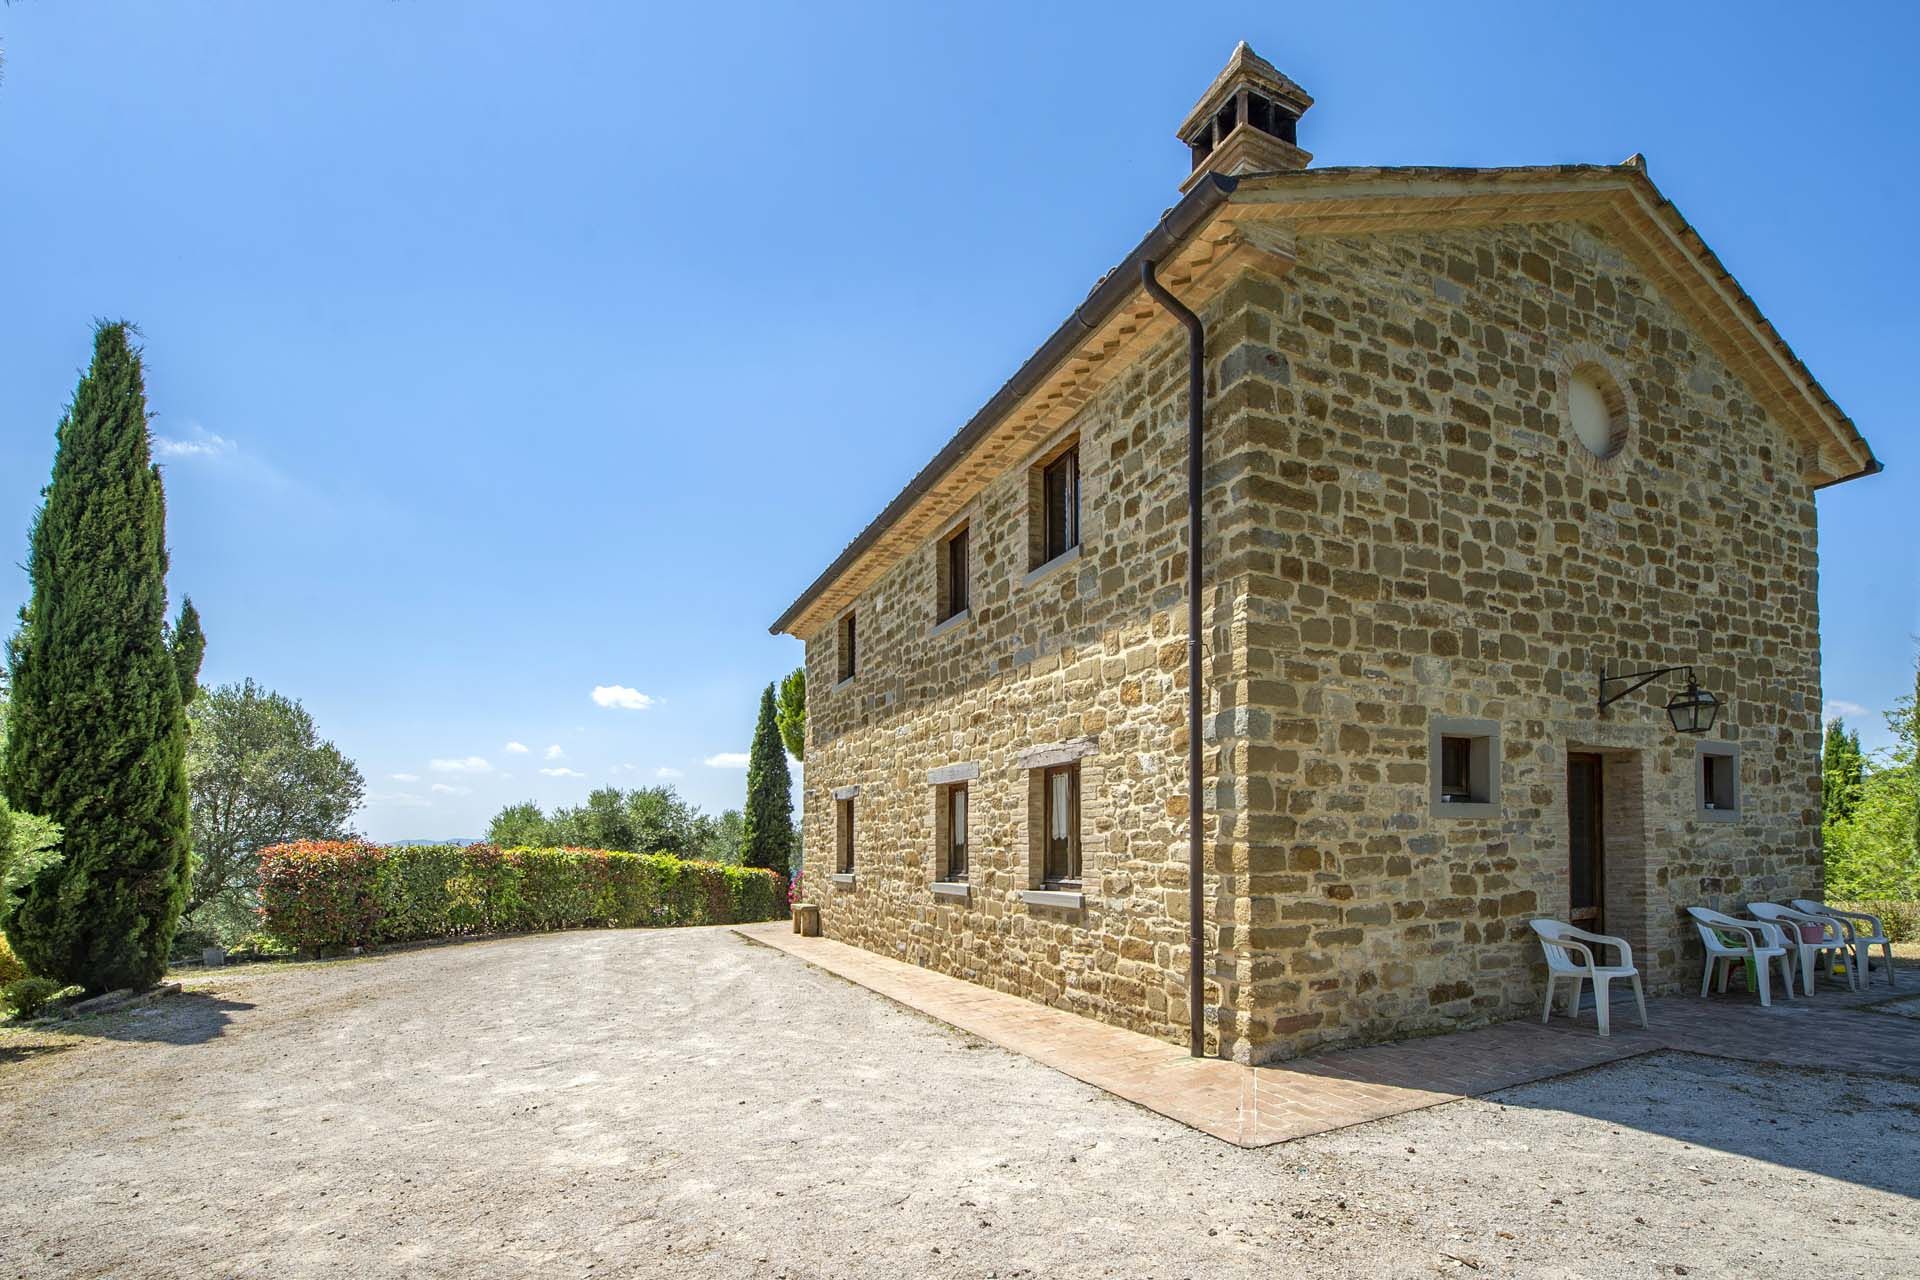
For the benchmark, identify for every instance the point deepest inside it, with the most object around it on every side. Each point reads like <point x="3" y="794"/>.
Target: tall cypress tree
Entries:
<point x="97" y="739"/>
<point x="769" y="816"/>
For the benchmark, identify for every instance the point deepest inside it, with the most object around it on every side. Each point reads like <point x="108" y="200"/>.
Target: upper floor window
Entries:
<point x="1060" y="504"/>
<point x="847" y="652"/>
<point x="956" y="575"/>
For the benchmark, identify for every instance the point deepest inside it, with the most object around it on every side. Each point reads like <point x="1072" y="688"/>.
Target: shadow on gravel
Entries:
<point x="1853" y="1128"/>
<point x="188" y="1018"/>
<point x="12" y="1053"/>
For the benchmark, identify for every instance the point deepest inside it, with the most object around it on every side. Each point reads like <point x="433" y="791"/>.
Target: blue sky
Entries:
<point x="505" y="353"/>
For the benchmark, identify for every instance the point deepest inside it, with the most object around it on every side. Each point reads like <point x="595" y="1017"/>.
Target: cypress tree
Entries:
<point x="97" y="739"/>
<point x="1843" y="767"/>
<point x="769" y="816"/>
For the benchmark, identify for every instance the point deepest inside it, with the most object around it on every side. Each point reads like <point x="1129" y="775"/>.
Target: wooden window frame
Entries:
<point x="846" y="647"/>
<point x="1061" y="864"/>
<point x="843" y="859"/>
<point x="1066" y="463"/>
<point x="956" y="578"/>
<point x="956" y="832"/>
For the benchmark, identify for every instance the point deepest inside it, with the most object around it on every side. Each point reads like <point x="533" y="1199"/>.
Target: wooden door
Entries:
<point x="1586" y="847"/>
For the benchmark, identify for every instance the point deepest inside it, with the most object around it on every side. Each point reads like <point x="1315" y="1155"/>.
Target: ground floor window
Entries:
<point x="843" y="835"/>
<point x="956" y="833"/>
<point x="1061" y="789"/>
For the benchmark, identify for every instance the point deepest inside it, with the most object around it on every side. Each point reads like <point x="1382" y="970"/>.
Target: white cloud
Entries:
<point x="515" y="748"/>
<point x="199" y="443"/>
<point x="465" y="764"/>
<point x="443" y="789"/>
<point x="563" y="772"/>
<point x="1841" y="707"/>
<point x="403" y="777"/>
<point x="665" y="771"/>
<point x="555" y="753"/>
<point x="618" y="695"/>
<point x="728" y="760"/>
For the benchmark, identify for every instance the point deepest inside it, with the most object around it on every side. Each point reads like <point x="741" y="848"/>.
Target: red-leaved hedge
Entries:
<point x="324" y="895"/>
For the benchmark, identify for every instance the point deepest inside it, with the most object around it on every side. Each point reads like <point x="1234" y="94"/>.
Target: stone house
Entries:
<point x="1473" y="439"/>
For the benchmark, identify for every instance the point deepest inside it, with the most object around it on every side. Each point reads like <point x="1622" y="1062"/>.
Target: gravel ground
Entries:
<point x="684" y="1102"/>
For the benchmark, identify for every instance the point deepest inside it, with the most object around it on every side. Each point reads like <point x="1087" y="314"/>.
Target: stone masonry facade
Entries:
<point x="1402" y="532"/>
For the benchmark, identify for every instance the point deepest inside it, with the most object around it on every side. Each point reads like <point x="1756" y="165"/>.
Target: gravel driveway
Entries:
<point x="685" y="1102"/>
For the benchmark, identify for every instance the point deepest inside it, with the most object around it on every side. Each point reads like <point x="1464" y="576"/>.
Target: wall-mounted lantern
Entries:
<point x="1692" y="710"/>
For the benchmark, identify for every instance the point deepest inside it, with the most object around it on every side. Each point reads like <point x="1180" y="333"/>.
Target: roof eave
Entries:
<point x="1200" y="203"/>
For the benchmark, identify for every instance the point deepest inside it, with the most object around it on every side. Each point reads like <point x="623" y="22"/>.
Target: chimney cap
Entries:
<point x="1245" y="67"/>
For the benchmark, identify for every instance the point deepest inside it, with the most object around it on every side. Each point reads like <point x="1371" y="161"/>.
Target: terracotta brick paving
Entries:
<point x="1259" y="1106"/>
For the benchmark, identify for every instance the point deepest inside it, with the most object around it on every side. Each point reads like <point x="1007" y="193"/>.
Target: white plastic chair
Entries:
<point x="1569" y="956"/>
<point x="1833" y="937"/>
<point x="1864" y="932"/>
<point x="1763" y="943"/>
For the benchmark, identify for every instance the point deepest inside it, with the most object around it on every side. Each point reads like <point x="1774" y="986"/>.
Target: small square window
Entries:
<point x="843" y="835"/>
<point x="956" y="576"/>
<point x="1463" y="759"/>
<point x="1456" y="770"/>
<point x="1717" y="781"/>
<point x="848" y="654"/>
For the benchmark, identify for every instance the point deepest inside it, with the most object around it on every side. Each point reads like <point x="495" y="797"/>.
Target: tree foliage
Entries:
<point x="768" y="839"/>
<point x="644" y="820"/>
<point x="1843" y="768"/>
<point x="790" y="713"/>
<point x="1873" y="851"/>
<point x="97" y="734"/>
<point x="260" y="775"/>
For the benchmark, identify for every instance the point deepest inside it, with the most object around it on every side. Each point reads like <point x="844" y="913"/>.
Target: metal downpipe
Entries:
<point x="1196" y="859"/>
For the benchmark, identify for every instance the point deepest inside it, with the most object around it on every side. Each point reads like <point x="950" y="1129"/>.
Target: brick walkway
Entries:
<point x="1259" y="1106"/>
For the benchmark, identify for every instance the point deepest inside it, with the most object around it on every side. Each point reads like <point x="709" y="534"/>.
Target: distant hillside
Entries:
<point x="414" y="844"/>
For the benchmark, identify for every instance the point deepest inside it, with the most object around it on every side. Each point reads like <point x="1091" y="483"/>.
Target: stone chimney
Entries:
<point x="1244" y="122"/>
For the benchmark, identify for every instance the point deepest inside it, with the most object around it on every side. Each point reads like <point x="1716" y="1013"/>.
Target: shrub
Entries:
<point x="319" y="894"/>
<point x="1901" y="920"/>
<point x="326" y="895"/>
<point x="11" y="970"/>
<point x="27" y="996"/>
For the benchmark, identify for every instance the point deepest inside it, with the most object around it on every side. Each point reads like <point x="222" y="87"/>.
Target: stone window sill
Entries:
<point x="953" y="623"/>
<point x="844" y="878"/>
<point x="838" y="686"/>
<point x="952" y="889"/>
<point x="1047" y="570"/>
<point x="1469" y="810"/>
<point x="1064" y="899"/>
<point x="1718" y="815"/>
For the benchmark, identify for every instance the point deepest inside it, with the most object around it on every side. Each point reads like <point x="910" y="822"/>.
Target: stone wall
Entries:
<point x="1442" y="545"/>
<point x="1091" y="648"/>
<point x="1401" y="526"/>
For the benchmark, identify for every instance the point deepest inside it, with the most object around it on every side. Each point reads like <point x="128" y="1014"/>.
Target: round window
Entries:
<point x="1598" y="410"/>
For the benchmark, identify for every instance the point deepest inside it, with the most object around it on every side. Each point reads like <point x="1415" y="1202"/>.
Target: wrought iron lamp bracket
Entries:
<point x="1640" y="679"/>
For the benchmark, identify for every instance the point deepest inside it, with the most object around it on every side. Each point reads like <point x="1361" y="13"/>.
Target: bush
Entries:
<point x="1901" y="920"/>
<point x="27" y="996"/>
<point x="320" y="896"/>
<point x="11" y="970"/>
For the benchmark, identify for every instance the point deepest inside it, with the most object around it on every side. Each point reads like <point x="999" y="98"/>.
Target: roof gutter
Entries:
<point x="1114" y="288"/>
<point x="1873" y="468"/>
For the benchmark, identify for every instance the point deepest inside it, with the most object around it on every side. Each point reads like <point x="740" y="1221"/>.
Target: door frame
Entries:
<point x="1593" y="918"/>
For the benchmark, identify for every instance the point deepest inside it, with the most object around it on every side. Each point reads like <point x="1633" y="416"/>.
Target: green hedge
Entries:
<point x="325" y="895"/>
